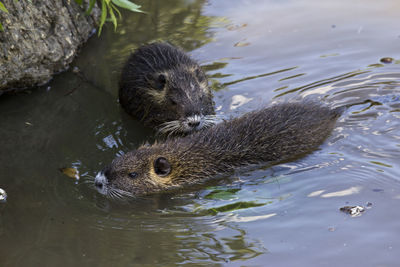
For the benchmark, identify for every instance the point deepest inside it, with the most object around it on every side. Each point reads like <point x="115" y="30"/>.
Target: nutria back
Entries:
<point x="166" y="89"/>
<point x="277" y="133"/>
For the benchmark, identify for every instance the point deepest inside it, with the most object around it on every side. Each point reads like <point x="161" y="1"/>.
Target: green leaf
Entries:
<point x="3" y="8"/>
<point x="128" y="5"/>
<point x="116" y="10"/>
<point x="79" y="2"/>
<point x="91" y="5"/>
<point x="1" y="27"/>
<point x="103" y="15"/>
<point x="235" y="206"/>
<point x="113" y="18"/>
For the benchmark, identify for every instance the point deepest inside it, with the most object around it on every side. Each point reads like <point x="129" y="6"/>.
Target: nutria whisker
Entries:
<point x="87" y="181"/>
<point x="119" y="194"/>
<point x="114" y="195"/>
<point x="180" y="126"/>
<point x="167" y="126"/>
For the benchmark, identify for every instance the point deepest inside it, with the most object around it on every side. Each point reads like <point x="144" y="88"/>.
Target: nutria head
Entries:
<point x="167" y="90"/>
<point x="137" y="173"/>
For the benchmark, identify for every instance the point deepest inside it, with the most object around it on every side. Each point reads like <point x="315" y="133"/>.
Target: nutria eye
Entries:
<point x="156" y="81"/>
<point x="173" y="102"/>
<point x="161" y="81"/>
<point x="133" y="175"/>
<point x="162" y="166"/>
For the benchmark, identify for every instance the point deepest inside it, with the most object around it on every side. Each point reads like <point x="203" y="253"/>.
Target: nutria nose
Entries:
<point x="98" y="184"/>
<point x="194" y="123"/>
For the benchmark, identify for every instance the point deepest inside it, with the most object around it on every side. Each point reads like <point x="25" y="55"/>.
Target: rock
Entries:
<point x="3" y="196"/>
<point x="40" y="38"/>
<point x="354" y="211"/>
<point x="387" y="60"/>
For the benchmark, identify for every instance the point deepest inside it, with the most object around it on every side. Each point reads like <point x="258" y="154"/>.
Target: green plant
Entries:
<point x="4" y="9"/>
<point x="108" y="7"/>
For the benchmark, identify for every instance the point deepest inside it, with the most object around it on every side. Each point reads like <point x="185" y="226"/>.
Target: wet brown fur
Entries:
<point x="181" y="90"/>
<point x="277" y="133"/>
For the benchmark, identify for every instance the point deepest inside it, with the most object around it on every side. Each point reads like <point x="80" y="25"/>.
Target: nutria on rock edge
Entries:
<point x="167" y="90"/>
<point x="276" y="133"/>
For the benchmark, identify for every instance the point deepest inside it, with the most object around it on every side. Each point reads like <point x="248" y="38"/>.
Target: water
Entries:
<point x="255" y="54"/>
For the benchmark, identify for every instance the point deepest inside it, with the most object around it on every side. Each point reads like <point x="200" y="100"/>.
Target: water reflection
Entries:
<point x="177" y="21"/>
<point x="252" y="56"/>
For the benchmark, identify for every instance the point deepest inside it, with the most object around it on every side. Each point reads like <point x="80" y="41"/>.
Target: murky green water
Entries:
<point x="255" y="53"/>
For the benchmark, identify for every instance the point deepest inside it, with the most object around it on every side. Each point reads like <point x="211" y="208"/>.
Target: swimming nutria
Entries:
<point x="277" y="133"/>
<point x="166" y="89"/>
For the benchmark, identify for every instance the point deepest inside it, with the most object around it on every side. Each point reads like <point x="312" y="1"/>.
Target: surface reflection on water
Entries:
<point x="255" y="54"/>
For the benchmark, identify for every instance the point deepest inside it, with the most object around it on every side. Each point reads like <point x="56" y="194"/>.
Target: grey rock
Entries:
<point x="40" y="38"/>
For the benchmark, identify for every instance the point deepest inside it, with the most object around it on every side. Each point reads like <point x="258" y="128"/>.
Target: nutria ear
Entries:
<point x="157" y="81"/>
<point x="162" y="166"/>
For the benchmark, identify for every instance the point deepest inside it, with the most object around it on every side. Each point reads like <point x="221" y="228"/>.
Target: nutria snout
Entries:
<point x="277" y="133"/>
<point x="166" y="89"/>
